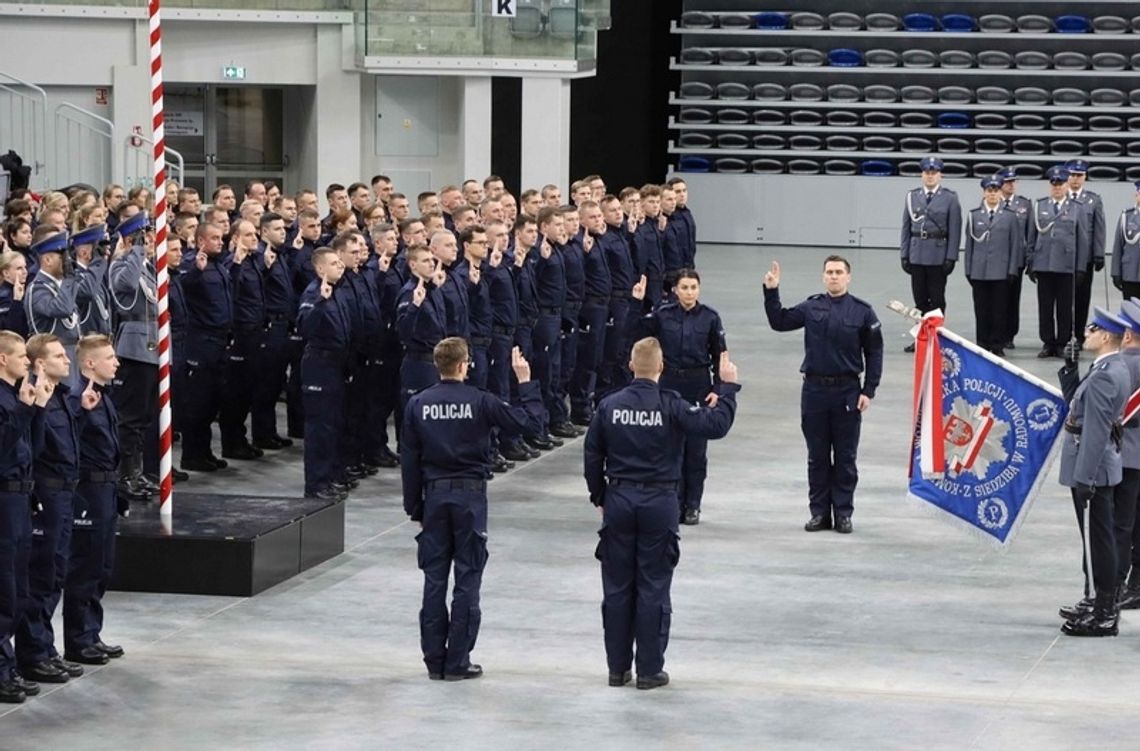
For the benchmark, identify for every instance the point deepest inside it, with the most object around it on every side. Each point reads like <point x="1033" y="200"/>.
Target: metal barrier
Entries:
<point x="23" y="117"/>
<point x="82" y="147"/>
<point x="138" y="163"/>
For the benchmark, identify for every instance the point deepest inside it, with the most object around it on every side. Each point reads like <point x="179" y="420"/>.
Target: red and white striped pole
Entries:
<point x="165" y="437"/>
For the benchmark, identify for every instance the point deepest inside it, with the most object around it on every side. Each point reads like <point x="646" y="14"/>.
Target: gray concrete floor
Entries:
<point x="905" y="635"/>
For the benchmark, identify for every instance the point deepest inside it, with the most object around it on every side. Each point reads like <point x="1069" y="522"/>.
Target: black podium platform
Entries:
<point x="224" y="544"/>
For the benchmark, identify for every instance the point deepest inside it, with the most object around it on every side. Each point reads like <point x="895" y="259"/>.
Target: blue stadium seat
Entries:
<point x="877" y="168"/>
<point x="845" y="57"/>
<point x="919" y="22"/>
<point x="958" y="23"/>
<point x="1073" y="25"/>
<point x="693" y="163"/>
<point x="770" y="21"/>
<point x="953" y="120"/>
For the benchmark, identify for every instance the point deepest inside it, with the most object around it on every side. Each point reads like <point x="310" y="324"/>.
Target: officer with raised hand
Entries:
<point x="619" y="260"/>
<point x="1091" y="251"/>
<point x="444" y="447"/>
<point x="1126" y="250"/>
<point x="96" y="506"/>
<point x="1056" y="234"/>
<point x="245" y="362"/>
<point x="49" y="301"/>
<point x="842" y="338"/>
<point x="995" y="252"/>
<point x="550" y="292"/>
<point x="470" y="268"/>
<point x="421" y="321"/>
<point x="280" y="315"/>
<point x="574" y="261"/>
<point x="931" y="234"/>
<point x="692" y="340"/>
<point x="683" y="214"/>
<point x="647" y="241"/>
<point x="56" y="472"/>
<point x="593" y="316"/>
<point x="523" y="236"/>
<point x="92" y="299"/>
<point x="1091" y="467"/>
<point x="1023" y="208"/>
<point x="389" y="277"/>
<point x="632" y="462"/>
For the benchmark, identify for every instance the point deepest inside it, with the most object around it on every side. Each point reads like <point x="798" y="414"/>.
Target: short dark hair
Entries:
<point x="522" y="221"/>
<point x="340" y="242"/>
<point x="355" y="187"/>
<point x="687" y="274"/>
<point x="269" y="217"/>
<point x="333" y="188"/>
<point x="837" y="259"/>
<point x="380" y="179"/>
<point x="475" y="229"/>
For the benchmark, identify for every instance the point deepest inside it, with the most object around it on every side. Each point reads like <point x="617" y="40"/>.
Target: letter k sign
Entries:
<point x="505" y="8"/>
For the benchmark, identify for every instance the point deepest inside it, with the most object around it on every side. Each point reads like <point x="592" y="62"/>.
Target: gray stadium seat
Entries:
<point x="1034" y="24"/>
<point x="984" y="169"/>
<point x="994" y="59"/>
<point x="1104" y="172"/>
<point x="1135" y="23"/>
<point x="1110" y="25"/>
<point x="697" y="56"/>
<point x="695" y="141"/>
<point x="769" y="92"/>
<point x="805" y="58"/>
<point x="878" y="143"/>
<point x="1134" y="97"/>
<point x="990" y="146"/>
<point x="1031" y="96"/>
<point x="844" y="21"/>
<point x="917" y="94"/>
<point x="732" y="90"/>
<point x="733" y="141"/>
<point x="805" y="21"/>
<point x="768" y="117"/>
<point x="768" y="142"/>
<point x="994" y="23"/>
<point x="919" y="59"/>
<point x="990" y="121"/>
<point x="1134" y="148"/>
<point x="1132" y="174"/>
<point x="842" y="143"/>
<point x="804" y="142"/>
<point x="1028" y="122"/>
<point x="732" y="116"/>
<point x="767" y="166"/>
<point x="955" y="169"/>
<point x="879" y="58"/>
<point x="843" y="92"/>
<point x="955" y="95"/>
<point x="916" y="120"/>
<point x="1070" y="97"/>
<point x="1109" y="61"/>
<point x="695" y="19"/>
<point x="883" y="22"/>
<point x="953" y="145"/>
<point x="735" y="20"/>
<point x="910" y="169"/>
<point x="956" y="59"/>
<point x="1067" y="122"/>
<point x="1066" y="147"/>
<point x="805" y="92"/>
<point x="1134" y="123"/>
<point x="696" y="90"/>
<point x="1028" y="146"/>
<point x="806" y="118"/>
<point x="871" y="119"/>
<point x="1105" y="148"/>
<point x="1135" y="61"/>
<point x="880" y="92"/>
<point x="1107" y="98"/>
<point x="1071" y="61"/>
<point x="839" y="166"/>
<point x="731" y="165"/>
<point x="695" y="115"/>
<point x="842" y="119"/>
<point x="770" y="56"/>
<point x="803" y="167"/>
<point x="916" y="144"/>
<point x="1106" y="123"/>
<point x="993" y="95"/>
<point x="1027" y="171"/>
<point x="528" y="22"/>
<point x="734" y="56"/>
<point x="1032" y="60"/>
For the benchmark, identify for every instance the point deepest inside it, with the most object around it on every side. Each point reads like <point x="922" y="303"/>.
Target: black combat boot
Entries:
<point x="1100" y="622"/>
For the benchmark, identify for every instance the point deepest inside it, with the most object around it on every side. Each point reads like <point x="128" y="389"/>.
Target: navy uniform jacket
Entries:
<point x="646" y="244"/>
<point x="456" y="304"/>
<point x="689" y="236"/>
<point x="1126" y="246"/>
<point x="619" y="260"/>
<point x="280" y="298"/>
<point x="1092" y="458"/>
<point x="690" y="339"/>
<point x="179" y="316"/>
<point x="995" y="245"/>
<point x="673" y="243"/>
<point x="389" y="283"/>
<point x="1055" y="237"/>
<point x="447" y="434"/>
<point x="21" y="431"/>
<point x="1130" y="446"/>
<point x="58" y="458"/>
<point x="134" y="289"/>
<point x="931" y="230"/>
<point x="841" y="335"/>
<point x="301" y="268"/>
<point x="248" y="293"/>
<point x="50" y="307"/>
<point x="98" y="432"/>
<point x="504" y="299"/>
<point x="421" y="327"/>
<point x="364" y="307"/>
<point x="526" y="287"/>
<point x="549" y="276"/>
<point x="598" y="280"/>
<point x="638" y="433"/>
<point x="1094" y="241"/>
<point x="325" y="324"/>
<point x="574" y="263"/>
<point x="479" y="313"/>
<point x="12" y="314"/>
<point x="92" y="301"/>
<point x="208" y="295"/>
<point x="1023" y="207"/>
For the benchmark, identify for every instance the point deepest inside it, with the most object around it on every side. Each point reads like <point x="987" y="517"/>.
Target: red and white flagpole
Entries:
<point x="165" y="437"/>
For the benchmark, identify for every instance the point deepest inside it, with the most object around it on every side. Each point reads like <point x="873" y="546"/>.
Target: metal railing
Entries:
<point x="138" y="163"/>
<point x="82" y="147"/>
<point x="23" y="120"/>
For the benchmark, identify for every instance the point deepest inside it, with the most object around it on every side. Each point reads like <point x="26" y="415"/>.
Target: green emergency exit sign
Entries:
<point x="233" y="73"/>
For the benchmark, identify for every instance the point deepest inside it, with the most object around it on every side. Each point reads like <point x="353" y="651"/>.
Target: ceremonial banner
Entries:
<point x="985" y="433"/>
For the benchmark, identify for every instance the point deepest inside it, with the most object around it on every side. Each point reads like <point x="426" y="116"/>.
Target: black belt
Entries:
<point x="503" y="330"/>
<point x="90" y="476"/>
<point x="549" y="311"/>
<point x="928" y="235"/>
<point x="686" y="372"/>
<point x="480" y="341"/>
<point x="838" y="380"/>
<point x="456" y="485"/>
<point x="527" y="322"/>
<point x="17" y="486"/>
<point x="420" y="356"/>
<point x="278" y="317"/>
<point x="597" y="299"/>
<point x="575" y="305"/>
<point x="618" y="483"/>
<point x="1074" y="429"/>
<point x="56" y="483"/>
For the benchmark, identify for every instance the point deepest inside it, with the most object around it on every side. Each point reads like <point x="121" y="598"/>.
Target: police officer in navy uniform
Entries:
<point x="684" y="214"/>
<point x="1023" y="208"/>
<point x="550" y="291"/>
<point x="362" y="388"/>
<point x="619" y="260"/>
<point x="995" y="249"/>
<point x="593" y="317"/>
<point x="21" y="409"/>
<point x="1091" y="251"/>
<point x="56" y="472"/>
<point x="387" y="280"/>
<point x="692" y="340"/>
<point x="1126" y="250"/>
<point x="92" y="299"/>
<point x="96" y="506"/>
<point x="421" y="321"/>
<point x="444" y="447"/>
<point x="271" y="258"/>
<point x="931" y="233"/>
<point x="574" y="262"/>
<point x="842" y="338"/>
<point x="1091" y="467"/>
<point x="646" y="242"/>
<point x="49" y="301"/>
<point x="1127" y="493"/>
<point x="247" y="349"/>
<point x="632" y="462"/>
<point x="497" y="273"/>
<point x="1056" y="235"/>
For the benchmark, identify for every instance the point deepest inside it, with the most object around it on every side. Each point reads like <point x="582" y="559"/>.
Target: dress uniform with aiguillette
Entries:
<point x="1023" y="207"/>
<point x="92" y="299"/>
<point x="1127" y="493"/>
<point x="995" y="246"/>
<point x="931" y="233"/>
<point x="1091" y="252"/>
<point x="50" y="302"/>
<point x="1052" y="251"/>
<point x="1126" y="250"/>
